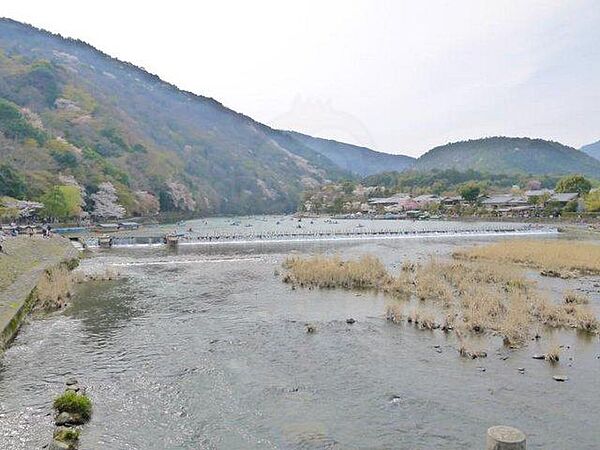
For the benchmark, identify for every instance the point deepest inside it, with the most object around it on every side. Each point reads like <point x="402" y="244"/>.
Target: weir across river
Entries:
<point x="160" y="236"/>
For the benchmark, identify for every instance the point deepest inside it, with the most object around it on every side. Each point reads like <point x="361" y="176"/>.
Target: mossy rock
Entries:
<point x="66" y="434"/>
<point x="74" y="403"/>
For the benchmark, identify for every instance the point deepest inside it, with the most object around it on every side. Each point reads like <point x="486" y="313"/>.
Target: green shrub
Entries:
<point x="74" y="403"/>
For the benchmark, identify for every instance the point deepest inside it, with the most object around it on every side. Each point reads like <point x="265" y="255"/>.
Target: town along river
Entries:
<point x="205" y="347"/>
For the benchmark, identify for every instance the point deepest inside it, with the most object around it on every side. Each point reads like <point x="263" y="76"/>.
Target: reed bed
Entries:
<point x="330" y="272"/>
<point x="469" y="295"/>
<point x="54" y="289"/>
<point x="554" y="258"/>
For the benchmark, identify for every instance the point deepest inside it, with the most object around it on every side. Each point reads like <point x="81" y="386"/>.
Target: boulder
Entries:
<point x="350" y="321"/>
<point x="561" y="378"/>
<point x="68" y="419"/>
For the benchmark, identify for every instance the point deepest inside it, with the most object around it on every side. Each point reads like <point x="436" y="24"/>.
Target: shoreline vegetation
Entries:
<point x="565" y="259"/>
<point x="481" y="290"/>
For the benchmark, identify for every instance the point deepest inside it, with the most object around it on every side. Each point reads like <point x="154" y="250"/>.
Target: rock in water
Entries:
<point x="561" y="378"/>
<point x="58" y="445"/>
<point x="350" y="321"/>
<point x="65" y="418"/>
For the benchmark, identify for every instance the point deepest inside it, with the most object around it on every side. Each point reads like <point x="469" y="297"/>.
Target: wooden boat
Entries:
<point x="171" y="239"/>
<point x="105" y="241"/>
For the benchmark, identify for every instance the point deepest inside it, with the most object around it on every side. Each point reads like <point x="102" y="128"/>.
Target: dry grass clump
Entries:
<point x="566" y="315"/>
<point x="394" y="313"/>
<point x="330" y="272"/>
<point x="553" y="355"/>
<point x="422" y="318"/>
<point x="468" y="350"/>
<point x="575" y="298"/>
<point x="54" y="288"/>
<point x="475" y="296"/>
<point x="426" y="320"/>
<point x="430" y="283"/>
<point x="515" y="325"/>
<point x="107" y="274"/>
<point x="559" y="258"/>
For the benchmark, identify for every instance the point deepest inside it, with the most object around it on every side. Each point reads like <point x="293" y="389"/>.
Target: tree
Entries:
<point x="534" y="185"/>
<point x="181" y="197"/>
<point x="573" y="183"/>
<point x="147" y="203"/>
<point x="592" y="201"/>
<point x="62" y="202"/>
<point x="106" y="202"/>
<point x="12" y="183"/>
<point x="56" y="205"/>
<point x="470" y="191"/>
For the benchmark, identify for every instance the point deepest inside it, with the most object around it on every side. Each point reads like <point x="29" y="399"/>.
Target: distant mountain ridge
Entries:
<point x="509" y="155"/>
<point x="592" y="149"/>
<point x="352" y="158"/>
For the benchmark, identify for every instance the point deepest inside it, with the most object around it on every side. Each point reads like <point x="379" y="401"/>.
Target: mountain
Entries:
<point x="592" y="149"/>
<point x="358" y="160"/>
<point x="72" y="114"/>
<point x="510" y="155"/>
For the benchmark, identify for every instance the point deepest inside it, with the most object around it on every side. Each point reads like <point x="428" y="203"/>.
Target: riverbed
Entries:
<point x="205" y="347"/>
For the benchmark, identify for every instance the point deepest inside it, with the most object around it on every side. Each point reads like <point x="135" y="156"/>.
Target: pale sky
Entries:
<point x="397" y="76"/>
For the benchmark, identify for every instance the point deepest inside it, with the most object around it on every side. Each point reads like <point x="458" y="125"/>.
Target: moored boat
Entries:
<point x="105" y="241"/>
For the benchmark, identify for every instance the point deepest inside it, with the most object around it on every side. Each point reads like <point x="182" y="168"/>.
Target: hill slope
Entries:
<point x="592" y="149"/>
<point x="69" y="110"/>
<point x="359" y="160"/>
<point x="510" y="155"/>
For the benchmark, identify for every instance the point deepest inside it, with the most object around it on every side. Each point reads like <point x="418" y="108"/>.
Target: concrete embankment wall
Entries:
<point x="28" y="259"/>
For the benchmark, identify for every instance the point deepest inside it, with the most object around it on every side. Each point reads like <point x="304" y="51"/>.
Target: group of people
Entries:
<point x="13" y="231"/>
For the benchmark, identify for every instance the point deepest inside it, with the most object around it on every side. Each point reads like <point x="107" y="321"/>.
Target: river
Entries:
<point x="203" y="346"/>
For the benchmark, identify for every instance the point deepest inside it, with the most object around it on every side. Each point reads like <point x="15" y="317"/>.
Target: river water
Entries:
<point x="205" y="347"/>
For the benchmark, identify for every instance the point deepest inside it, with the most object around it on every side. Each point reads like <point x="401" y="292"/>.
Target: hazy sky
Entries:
<point x="399" y="76"/>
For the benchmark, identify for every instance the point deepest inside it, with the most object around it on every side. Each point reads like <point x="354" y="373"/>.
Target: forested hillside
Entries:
<point x="592" y="149"/>
<point x="509" y="155"/>
<point x="70" y="112"/>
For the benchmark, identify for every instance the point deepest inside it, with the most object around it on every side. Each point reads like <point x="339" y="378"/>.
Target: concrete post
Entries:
<point x="505" y="438"/>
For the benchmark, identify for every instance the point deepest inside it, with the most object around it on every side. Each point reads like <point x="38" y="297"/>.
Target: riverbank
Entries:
<point x="22" y="265"/>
